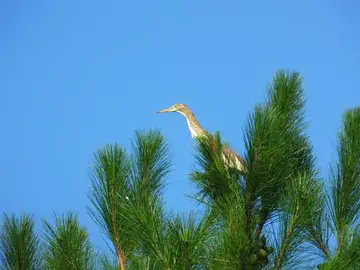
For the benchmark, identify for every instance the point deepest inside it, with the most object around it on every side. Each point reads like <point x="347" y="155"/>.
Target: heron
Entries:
<point x="230" y="158"/>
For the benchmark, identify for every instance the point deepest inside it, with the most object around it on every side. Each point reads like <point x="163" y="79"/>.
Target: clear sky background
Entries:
<point x="75" y="75"/>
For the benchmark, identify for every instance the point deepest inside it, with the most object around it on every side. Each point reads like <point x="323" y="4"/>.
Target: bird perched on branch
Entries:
<point x="230" y="157"/>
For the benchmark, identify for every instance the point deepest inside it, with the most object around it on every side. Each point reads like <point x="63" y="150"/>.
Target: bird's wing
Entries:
<point x="227" y="150"/>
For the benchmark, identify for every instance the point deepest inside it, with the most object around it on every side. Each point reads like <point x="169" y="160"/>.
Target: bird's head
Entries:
<point x="179" y="107"/>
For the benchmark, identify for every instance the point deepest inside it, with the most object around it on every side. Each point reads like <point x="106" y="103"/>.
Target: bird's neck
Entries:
<point x="194" y="126"/>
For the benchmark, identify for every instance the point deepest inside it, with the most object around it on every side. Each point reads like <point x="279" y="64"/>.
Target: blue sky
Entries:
<point x="75" y="75"/>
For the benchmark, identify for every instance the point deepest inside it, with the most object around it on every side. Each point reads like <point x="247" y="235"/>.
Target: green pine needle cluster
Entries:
<point x="277" y="214"/>
<point x="19" y="244"/>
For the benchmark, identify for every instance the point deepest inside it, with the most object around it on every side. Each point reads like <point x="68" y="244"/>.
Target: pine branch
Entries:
<point x="67" y="245"/>
<point x="126" y="195"/>
<point x="276" y="145"/>
<point x="345" y="196"/>
<point x="19" y="244"/>
<point x="280" y="259"/>
<point x="212" y="177"/>
<point x="110" y="183"/>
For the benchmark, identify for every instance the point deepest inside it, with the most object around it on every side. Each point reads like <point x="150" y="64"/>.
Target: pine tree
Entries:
<point x="279" y="214"/>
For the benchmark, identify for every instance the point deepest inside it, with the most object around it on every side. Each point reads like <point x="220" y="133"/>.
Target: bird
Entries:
<point x="230" y="158"/>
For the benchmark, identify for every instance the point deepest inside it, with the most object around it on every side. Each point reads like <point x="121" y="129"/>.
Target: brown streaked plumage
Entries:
<point x="231" y="158"/>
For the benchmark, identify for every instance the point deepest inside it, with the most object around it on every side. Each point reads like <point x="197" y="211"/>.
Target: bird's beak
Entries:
<point x="166" y="110"/>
